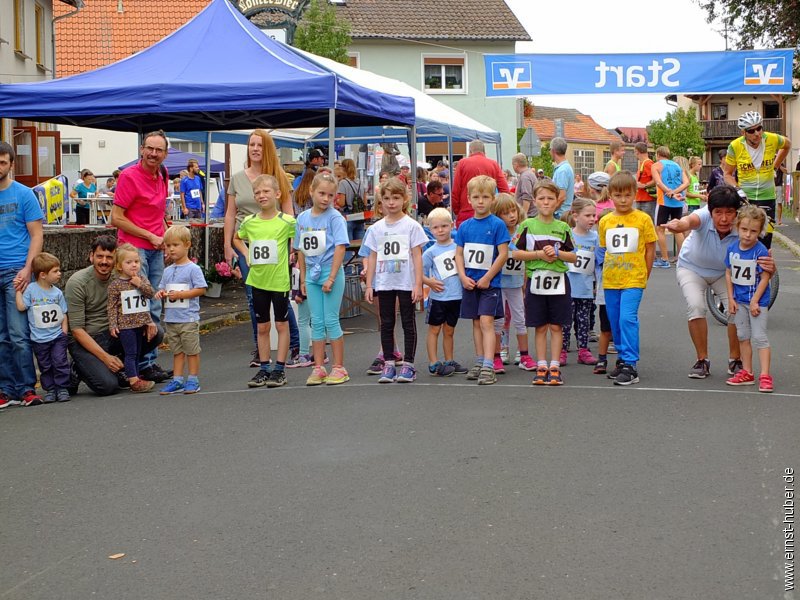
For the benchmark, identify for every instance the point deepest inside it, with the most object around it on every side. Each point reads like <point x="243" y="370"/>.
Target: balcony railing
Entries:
<point x="728" y="130"/>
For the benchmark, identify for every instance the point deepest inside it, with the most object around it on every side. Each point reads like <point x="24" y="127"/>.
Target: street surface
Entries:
<point x="440" y="489"/>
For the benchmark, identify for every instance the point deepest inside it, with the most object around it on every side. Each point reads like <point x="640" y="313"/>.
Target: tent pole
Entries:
<point x="450" y="169"/>
<point x="412" y="156"/>
<point x="331" y="136"/>
<point x="207" y="232"/>
<point x="500" y="153"/>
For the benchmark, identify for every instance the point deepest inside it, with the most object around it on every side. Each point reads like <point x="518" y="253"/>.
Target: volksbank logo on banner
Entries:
<point x="762" y="71"/>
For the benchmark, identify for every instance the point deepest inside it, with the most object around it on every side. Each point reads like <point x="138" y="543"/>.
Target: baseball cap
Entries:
<point x="314" y="153"/>
<point x="444" y="173"/>
<point x="598" y="180"/>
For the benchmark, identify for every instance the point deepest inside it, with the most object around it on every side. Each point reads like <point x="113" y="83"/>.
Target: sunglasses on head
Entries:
<point x="754" y="129"/>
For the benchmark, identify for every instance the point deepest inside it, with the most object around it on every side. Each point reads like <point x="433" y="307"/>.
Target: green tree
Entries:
<point x="680" y="131"/>
<point x="544" y="161"/>
<point x="322" y="33"/>
<point x="751" y="23"/>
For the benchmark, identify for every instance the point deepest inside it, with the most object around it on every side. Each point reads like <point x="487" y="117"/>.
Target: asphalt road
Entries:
<point x="439" y="489"/>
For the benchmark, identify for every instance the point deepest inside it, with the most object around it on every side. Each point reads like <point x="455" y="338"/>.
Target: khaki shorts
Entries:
<point x="183" y="338"/>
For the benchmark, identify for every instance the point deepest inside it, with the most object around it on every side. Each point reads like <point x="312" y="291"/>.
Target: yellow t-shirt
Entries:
<point x="624" y="238"/>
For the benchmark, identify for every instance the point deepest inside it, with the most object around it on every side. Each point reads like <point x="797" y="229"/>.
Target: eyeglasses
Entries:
<point x="755" y="129"/>
<point x="156" y="150"/>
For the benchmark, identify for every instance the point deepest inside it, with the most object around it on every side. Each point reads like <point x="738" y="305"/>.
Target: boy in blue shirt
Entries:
<point x="481" y="253"/>
<point x="181" y="287"/>
<point x="47" y="316"/>
<point x="748" y="296"/>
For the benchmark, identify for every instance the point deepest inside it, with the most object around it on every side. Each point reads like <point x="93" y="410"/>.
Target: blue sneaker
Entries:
<point x="407" y="374"/>
<point x="192" y="386"/>
<point x="660" y="263"/>
<point x="173" y="387"/>
<point x="388" y="374"/>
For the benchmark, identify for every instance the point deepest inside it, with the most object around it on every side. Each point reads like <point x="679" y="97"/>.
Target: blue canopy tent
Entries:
<point x="177" y="160"/>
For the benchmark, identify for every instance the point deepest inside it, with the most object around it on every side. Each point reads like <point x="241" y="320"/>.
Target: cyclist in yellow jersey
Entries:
<point x="754" y="157"/>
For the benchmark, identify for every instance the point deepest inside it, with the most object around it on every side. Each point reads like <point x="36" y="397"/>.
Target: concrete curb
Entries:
<point x="224" y="320"/>
<point x="787" y="243"/>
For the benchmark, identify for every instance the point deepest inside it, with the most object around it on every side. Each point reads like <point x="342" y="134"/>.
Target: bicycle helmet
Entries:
<point x="598" y="180"/>
<point x="749" y="119"/>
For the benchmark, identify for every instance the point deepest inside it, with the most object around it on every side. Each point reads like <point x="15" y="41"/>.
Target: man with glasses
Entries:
<point x="433" y="198"/>
<point x="139" y="213"/>
<point x="754" y="157"/>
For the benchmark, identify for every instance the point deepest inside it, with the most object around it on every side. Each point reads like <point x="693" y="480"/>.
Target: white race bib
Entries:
<point x="393" y="247"/>
<point x="513" y="267"/>
<point x="178" y="287"/>
<point x="743" y="272"/>
<point x="264" y="252"/>
<point x="478" y="256"/>
<point x="312" y="243"/>
<point x="547" y="283"/>
<point x="295" y="278"/>
<point x="446" y="264"/>
<point x="195" y="193"/>
<point x="584" y="262"/>
<point x="133" y="302"/>
<point x="620" y="240"/>
<point x="46" y="316"/>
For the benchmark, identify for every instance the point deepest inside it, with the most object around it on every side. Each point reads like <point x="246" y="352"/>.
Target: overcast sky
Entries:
<point x="623" y="26"/>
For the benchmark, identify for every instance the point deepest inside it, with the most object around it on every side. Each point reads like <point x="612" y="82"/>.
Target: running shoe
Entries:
<point x="440" y="369"/>
<point x="593" y="336"/>
<point x="554" y="376"/>
<point x="31" y="398"/>
<point x="765" y="383"/>
<point x="616" y="370"/>
<point x="5" y="401"/>
<point x="660" y="263"/>
<point x="407" y="374"/>
<point x="173" y="387"/>
<point x="141" y="386"/>
<point x="62" y="395"/>
<point x="585" y="357"/>
<point x="49" y="396"/>
<point x="701" y="369"/>
<point x="627" y="375"/>
<point x="517" y="356"/>
<point x="612" y="349"/>
<point x="526" y="363"/>
<point x="541" y="376"/>
<point x="155" y="374"/>
<point x="742" y="377"/>
<point x="474" y="372"/>
<point x="338" y="375"/>
<point x="388" y="375"/>
<point x="499" y="368"/>
<point x="302" y="360"/>
<point x="562" y="360"/>
<point x="277" y="378"/>
<point x="734" y="366"/>
<point x="255" y="363"/>
<point x="600" y="367"/>
<point x="459" y="369"/>
<point x="487" y="376"/>
<point x="398" y="357"/>
<point x="259" y="379"/>
<point x="318" y="376"/>
<point x="504" y="354"/>
<point x="192" y="386"/>
<point x="376" y="368"/>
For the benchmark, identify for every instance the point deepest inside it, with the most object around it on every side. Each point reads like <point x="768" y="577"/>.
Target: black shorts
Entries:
<point x="548" y="310"/>
<point x="667" y="213"/>
<point x="476" y="303"/>
<point x="263" y="299"/>
<point x="605" y="324"/>
<point x="443" y="311"/>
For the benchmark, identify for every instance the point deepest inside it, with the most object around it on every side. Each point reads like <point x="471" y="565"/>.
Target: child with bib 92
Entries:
<point x="321" y="238"/>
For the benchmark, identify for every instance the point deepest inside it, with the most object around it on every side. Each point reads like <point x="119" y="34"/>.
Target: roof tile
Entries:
<point x="577" y="126"/>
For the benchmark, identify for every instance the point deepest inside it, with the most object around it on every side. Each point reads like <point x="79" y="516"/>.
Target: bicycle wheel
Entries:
<point x="717" y="308"/>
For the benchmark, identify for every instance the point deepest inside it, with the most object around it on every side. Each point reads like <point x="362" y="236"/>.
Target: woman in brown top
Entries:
<point x="129" y="312"/>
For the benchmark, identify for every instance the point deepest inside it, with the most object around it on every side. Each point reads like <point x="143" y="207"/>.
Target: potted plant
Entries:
<point x="218" y="275"/>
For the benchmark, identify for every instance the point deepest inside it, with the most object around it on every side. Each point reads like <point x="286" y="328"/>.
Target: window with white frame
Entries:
<point x="444" y="74"/>
<point x="606" y="157"/>
<point x="584" y="161"/>
<point x="186" y="146"/>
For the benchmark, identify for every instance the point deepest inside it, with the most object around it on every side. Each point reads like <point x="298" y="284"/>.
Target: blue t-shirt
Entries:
<point x="188" y="277"/>
<point x="332" y="225"/>
<point x="564" y="178"/>
<point x="743" y="267"/>
<point x="490" y="230"/>
<point x="512" y="275"/>
<point x="582" y="284"/>
<point x="452" y="284"/>
<point x="83" y="192"/>
<point x="18" y="207"/>
<point x="672" y="177"/>
<point x="50" y="327"/>
<point x="192" y="190"/>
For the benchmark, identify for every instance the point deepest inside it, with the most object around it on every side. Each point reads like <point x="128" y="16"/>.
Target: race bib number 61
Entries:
<point x="620" y="240"/>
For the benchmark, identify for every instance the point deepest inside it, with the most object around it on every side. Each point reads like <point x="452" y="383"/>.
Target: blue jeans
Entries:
<point x="17" y="374"/>
<point x="294" y="332"/>
<point x="622" y="307"/>
<point x="153" y="269"/>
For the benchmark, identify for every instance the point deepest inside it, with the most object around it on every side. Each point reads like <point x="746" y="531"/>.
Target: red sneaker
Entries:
<point x="742" y="377"/>
<point x="29" y="398"/>
<point x="765" y="383"/>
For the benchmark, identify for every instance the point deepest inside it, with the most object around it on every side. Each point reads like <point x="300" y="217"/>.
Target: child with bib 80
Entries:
<point x="628" y="239"/>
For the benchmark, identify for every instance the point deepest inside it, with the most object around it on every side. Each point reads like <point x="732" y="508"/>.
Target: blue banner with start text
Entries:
<point x="751" y="71"/>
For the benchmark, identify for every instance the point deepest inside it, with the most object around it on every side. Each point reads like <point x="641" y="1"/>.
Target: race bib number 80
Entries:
<point x="393" y="247"/>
